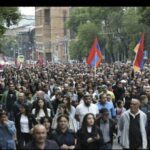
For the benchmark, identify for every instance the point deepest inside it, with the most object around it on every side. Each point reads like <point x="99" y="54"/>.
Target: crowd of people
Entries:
<point x="70" y="106"/>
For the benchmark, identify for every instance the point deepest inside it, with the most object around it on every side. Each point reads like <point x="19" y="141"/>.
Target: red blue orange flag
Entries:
<point x="137" y="47"/>
<point x="138" y="61"/>
<point x="95" y="56"/>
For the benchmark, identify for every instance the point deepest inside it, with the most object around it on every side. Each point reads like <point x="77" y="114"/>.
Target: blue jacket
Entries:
<point x="109" y="106"/>
<point x="7" y="136"/>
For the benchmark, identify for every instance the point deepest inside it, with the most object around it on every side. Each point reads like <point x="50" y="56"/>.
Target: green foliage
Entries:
<point x="8" y="45"/>
<point x="118" y="29"/>
<point x="144" y="15"/>
<point x="8" y="16"/>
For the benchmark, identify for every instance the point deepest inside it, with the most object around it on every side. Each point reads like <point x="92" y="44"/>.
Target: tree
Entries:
<point x="8" y="46"/>
<point x="8" y="16"/>
<point x="144" y="15"/>
<point x="118" y="28"/>
<point x="103" y="18"/>
<point x="86" y="35"/>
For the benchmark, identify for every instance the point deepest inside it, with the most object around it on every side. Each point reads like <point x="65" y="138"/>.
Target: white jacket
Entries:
<point x="124" y="128"/>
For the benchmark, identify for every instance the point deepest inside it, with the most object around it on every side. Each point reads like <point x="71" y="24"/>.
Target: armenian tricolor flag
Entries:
<point x="95" y="56"/>
<point x="137" y="47"/>
<point x="138" y="61"/>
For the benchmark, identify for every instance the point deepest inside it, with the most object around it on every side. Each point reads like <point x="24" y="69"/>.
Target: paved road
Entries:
<point x="116" y="145"/>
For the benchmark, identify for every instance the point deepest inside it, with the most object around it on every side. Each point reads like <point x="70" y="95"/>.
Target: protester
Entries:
<point x="103" y="103"/>
<point x="71" y="109"/>
<point x="7" y="132"/>
<point x="40" y="139"/>
<point x="41" y="94"/>
<point x="47" y="122"/>
<point x="86" y="107"/>
<point x="108" y="128"/>
<point x="24" y="122"/>
<point x="80" y="89"/>
<point x="89" y="136"/>
<point x="119" y="111"/>
<point x="62" y="110"/>
<point x="41" y="109"/>
<point x="21" y="99"/>
<point x="62" y="135"/>
<point x="8" y="99"/>
<point x="133" y="127"/>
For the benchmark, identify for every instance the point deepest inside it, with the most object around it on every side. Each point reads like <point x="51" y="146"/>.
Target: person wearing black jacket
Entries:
<point x="119" y="91"/>
<point x="24" y="122"/>
<point x="63" y="136"/>
<point x="58" y="100"/>
<point x="47" y="122"/>
<point x="107" y="126"/>
<point x="89" y="136"/>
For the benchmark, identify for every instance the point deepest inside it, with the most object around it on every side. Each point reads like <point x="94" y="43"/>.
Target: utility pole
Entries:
<point x="66" y="50"/>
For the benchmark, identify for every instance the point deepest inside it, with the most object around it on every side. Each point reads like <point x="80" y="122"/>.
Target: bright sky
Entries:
<point x="27" y="10"/>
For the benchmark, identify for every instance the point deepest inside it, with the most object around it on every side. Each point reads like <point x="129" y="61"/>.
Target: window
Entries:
<point x="47" y="16"/>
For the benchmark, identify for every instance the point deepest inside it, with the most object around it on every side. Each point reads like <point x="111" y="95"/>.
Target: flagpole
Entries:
<point x="95" y="68"/>
<point x="95" y="71"/>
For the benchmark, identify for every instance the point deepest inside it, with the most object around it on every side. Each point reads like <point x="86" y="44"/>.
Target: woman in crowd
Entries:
<point x="89" y="136"/>
<point x="62" y="109"/>
<point x="41" y="109"/>
<point x="71" y="109"/>
<point x="47" y="122"/>
<point x="7" y="132"/>
<point x="24" y="122"/>
<point x="64" y="137"/>
<point x="119" y="111"/>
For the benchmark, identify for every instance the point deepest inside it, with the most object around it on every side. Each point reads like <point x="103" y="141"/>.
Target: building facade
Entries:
<point x="24" y="37"/>
<point x="51" y="34"/>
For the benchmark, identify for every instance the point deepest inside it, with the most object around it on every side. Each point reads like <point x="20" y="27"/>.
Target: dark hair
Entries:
<point x="65" y="107"/>
<point x="37" y="108"/>
<point x="119" y="102"/>
<point x="104" y="110"/>
<point x="62" y="116"/>
<point x="3" y="112"/>
<point x="46" y="117"/>
<point x="68" y="102"/>
<point x="143" y="97"/>
<point x="84" y="124"/>
<point x="27" y="108"/>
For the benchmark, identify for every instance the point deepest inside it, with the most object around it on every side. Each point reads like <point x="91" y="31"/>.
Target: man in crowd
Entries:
<point x="103" y="103"/>
<point x="40" y="139"/>
<point x="133" y="127"/>
<point x="21" y="99"/>
<point x="9" y="98"/>
<point x="86" y="107"/>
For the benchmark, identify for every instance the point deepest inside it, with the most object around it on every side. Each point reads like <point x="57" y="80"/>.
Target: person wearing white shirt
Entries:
<point x="24" y="122"/>
<point x="86" y="107"/>
<point x="41" y="109"/>
<point x="71" y="109"/>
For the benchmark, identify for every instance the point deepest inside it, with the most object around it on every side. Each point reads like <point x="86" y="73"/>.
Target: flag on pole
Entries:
<point x="137" y="47"/>
<point x="138" y="61"/>
<point x="95" y="56"/>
